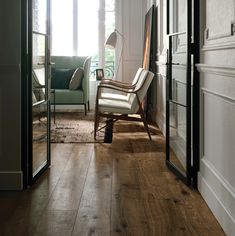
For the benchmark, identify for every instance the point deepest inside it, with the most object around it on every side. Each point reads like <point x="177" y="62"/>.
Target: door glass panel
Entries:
<point x="38" y="70"/>
<point x="39" y="97"/>
<point x="39" y="16"/>
<point x="40" y="113"/>
<point x="180" y="88"/>
<point x="177" y="14"/>
<point x="40" y="123"/>
<point x="177" y="137"/>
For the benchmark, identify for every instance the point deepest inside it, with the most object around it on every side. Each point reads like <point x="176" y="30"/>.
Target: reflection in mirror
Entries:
<point x="39" y="128"/>
<point x="178" y="137"/>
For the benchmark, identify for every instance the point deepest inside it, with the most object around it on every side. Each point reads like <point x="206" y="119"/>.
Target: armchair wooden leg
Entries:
<point x="96" y="124"/>
<point x="85" y="109"/>
<point x="145" y="125"/>
<point x="143" y="118"/>
<point x="88" y="104"/>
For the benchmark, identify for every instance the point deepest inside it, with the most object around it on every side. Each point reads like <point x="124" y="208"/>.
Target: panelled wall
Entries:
<point x="216" y="180"/>
<point x="10" y="95"/>
<point x="217" y="66"/>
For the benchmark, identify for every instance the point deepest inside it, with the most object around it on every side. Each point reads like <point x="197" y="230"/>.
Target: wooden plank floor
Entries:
<point x="123" y="188"/>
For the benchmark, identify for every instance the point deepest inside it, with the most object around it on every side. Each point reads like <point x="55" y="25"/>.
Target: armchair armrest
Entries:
<point x="118" y="83"/>
<point x="120" y="89"/>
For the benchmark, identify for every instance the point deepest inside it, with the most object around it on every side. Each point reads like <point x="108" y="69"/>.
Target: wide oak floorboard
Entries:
<point x="122" y="188"/>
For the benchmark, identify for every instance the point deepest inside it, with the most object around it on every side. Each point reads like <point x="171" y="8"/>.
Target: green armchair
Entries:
<point x="62" y="71"/>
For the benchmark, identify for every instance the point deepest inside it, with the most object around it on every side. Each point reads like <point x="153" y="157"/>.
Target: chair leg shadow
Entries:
<point x="108" y="134"/>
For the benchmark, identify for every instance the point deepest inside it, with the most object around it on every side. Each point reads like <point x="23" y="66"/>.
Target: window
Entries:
<point x="109" y="28"/>
<point x="87" y="27"/>
<point x="80" y="27"/>
<point x="62" y="27"/>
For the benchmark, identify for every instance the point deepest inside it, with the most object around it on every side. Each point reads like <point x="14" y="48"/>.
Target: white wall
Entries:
<point x="130" y="21"/>
<point x="217" y="67"/>
<point x="10" y="118"/>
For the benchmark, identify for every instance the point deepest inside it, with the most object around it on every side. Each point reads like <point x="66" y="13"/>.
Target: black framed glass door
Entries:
<point x="39" y="87"/>
<point x="182" y="88"/>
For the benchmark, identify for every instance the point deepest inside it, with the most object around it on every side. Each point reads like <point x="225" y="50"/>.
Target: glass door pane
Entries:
<point x="179" y="108"/>
<point x="40" y="138"/>
<point x="40" y="105"/>
<point x="178" y="103"/>
<point x="178" y="137"/>
<point x="40" y="16"/>
<point x="182" y="89"/>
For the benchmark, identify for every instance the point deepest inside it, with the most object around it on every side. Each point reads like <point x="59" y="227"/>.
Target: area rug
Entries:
<point x="74" y="127"/>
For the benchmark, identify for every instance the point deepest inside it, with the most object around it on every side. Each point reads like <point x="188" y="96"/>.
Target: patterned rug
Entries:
<point x="74" y="127"/>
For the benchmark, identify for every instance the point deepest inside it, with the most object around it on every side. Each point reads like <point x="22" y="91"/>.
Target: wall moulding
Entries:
<point x="219" y="18"/>
<point x="218" y="175"/>
<point x="218" y="194"/>
<point x="224" y="98"/>
<point x="218" y="46"/>
<point x="217" y="24"/>
<point x="216" y="69"/>
<point x="216" y="36"/>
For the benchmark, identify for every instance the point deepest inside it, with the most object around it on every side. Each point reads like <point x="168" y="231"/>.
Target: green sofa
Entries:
<point x="62" y="71"/>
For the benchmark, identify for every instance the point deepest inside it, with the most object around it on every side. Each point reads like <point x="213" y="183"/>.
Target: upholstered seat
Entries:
<point x="119" y="109"/>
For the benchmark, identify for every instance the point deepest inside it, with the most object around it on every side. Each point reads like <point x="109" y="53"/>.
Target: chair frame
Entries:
<point x="121" y="88"/>
<point x="118" y="83"/>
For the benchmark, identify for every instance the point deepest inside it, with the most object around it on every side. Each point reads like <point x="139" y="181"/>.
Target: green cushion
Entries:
<point x="60" y="78"/>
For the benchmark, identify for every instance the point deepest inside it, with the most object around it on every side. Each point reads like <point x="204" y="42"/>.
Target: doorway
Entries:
<point x="182" y="90"/>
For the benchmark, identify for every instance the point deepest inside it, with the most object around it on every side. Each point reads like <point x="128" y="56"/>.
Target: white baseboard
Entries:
<point x="218" y="195"/>
<point x="11" y="180"/>
<point x="160" y="119"/>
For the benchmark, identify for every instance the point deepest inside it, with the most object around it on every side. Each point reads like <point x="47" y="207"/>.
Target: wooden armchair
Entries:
<point x="121" y="106"/>
<point x="119" y="84"/>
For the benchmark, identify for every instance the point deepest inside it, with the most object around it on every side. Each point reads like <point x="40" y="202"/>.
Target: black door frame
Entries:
<point x="26" y="98"/>
<point x="192" y="121"/>
<point x="24" y="91"/>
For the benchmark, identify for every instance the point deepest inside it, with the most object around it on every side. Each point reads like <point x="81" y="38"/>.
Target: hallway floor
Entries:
<point x="123" y="188"/>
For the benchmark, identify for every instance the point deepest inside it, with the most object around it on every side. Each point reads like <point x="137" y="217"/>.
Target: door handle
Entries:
<point x="175" y="64"/>
<point x="43" y="63"/>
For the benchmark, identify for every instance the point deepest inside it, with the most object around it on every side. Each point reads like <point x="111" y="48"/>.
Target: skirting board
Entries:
<point x="11" y="180"/>
<point x="160" y="119"/>
<point x="216" y="200"/>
